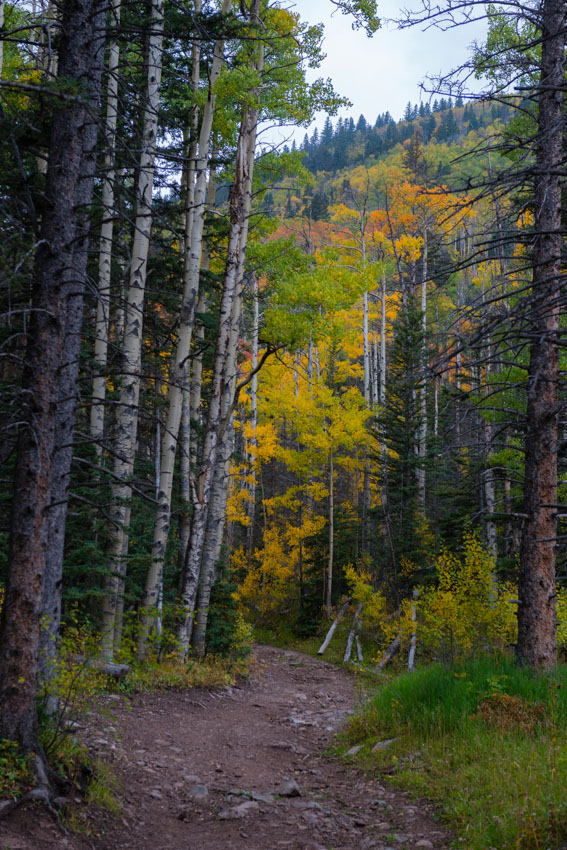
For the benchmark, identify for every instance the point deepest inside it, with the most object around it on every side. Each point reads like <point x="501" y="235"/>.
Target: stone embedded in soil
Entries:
<point x="425" y="843"/>
<point x="262" y="798"/>
<point x="383" y="745"/>
<point x="353" y="751"/>
<point x="157" y="795"/>
<point x="240" y="811"/>
<point x="193" y="779"/>
<point x="198" y="793"/>
<point x="289" y="789"/>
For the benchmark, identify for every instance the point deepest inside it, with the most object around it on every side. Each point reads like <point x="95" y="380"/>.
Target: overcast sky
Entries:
<point x="383" y="73"/>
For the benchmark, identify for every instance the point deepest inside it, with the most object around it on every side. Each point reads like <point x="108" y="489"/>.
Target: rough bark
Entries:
<point x="536" y="610"/>
<point x="57" y="287"/>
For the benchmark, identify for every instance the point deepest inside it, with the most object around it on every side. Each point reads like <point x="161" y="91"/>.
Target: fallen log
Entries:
<point x="389" y="653"/>
<point x="331" y="632"/>
<point x="348" y="650"/>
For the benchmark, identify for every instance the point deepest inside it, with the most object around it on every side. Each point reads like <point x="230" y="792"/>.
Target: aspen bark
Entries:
<point x="127" y="409"/>
<point x="253" y="417"/>
<point x="335" y="623"/>
<point x="422" y="430"/>
<point x="192" y="268"/>
<point x="330" y="560"/>
<point x="213" y="539"/>
<point x="536" y="645"/>
<point x="106" y="233"/>
<point x="239" y="205"/>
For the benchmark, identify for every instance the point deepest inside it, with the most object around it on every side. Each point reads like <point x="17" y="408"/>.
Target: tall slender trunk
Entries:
<point x="106" y="234"/>
<point x="50" y="370"/>
<point x="2" y="7"/>
<point x="239" y="205"/>
<point x="422" y="430"/>
<point x="253" y="418"/>
<point x="536" y="610"/>
<point x="192" y="268"/>
<point x="127" y="410"/>
<point x="331" y="556"/>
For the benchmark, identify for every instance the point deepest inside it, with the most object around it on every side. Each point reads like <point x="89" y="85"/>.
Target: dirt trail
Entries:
<point x="202" y="771"/>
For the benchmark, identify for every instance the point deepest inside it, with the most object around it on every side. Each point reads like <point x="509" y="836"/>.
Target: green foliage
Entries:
<point x="467" y="612"/>
<point x="228" y="635"/>
<point x="16" y="773"/>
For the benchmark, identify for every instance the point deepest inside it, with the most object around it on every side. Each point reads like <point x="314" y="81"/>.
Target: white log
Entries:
<point x="392" y="650"/>
<point x="411" y="656"/>
<point x="331" y="632"/>
<point x="351" y="634"/>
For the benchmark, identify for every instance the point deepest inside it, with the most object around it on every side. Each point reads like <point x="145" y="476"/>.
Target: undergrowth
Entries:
<point x="486" y="740"/>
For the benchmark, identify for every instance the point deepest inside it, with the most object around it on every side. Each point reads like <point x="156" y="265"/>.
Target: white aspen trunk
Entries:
<point x="317" y="364"/>
<point x="105" y="246"/>
<point x="366" y="348"/>
<point x="331" y="632"/>
<point x="351" y="634"/>
<point x="310" y="364"/>
<point x="383" y="340"/>
<point x="219" y="490"/>
<point x="195" y="222"/>
<point x="422" y="432"/>
<point x="413" y="639"/>
<point x="213" y="539"/>
<point x="330" y="562"/>
<point x="253" y="417"/>
<point x="367" y="399"/>
<point x="240" y="204"/>
<point x="436" y="407"/>
<point x="127" y="409"/>
<point x="375" y="372"/>
<point x="192" y="408"/>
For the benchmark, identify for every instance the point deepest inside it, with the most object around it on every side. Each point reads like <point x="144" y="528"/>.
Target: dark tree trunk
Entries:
<point x="536" y="610"/>
<point x="50" y="373"/>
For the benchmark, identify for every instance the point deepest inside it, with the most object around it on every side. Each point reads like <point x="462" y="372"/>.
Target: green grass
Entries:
<point x="486" y="741"/>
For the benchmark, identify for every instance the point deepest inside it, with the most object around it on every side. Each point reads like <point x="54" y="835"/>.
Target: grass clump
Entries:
<point x="171" y="674"/>
<point x="486" y="740"/>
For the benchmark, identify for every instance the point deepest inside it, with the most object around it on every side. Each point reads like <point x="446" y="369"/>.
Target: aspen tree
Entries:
<point x="195" y="222"/>
<point x="240" y="200"/>
<point x="126" y="426"/>
<point x="106" y="234"/>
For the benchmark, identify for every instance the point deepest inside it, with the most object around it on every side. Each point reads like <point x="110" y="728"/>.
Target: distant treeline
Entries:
<point x="349" y="143"/>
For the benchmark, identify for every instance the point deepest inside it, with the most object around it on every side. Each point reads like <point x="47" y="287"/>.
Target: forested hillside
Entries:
<point x="242" y="385"/>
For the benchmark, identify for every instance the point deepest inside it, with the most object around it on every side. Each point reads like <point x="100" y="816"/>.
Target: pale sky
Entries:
<point x="383" y="73"/>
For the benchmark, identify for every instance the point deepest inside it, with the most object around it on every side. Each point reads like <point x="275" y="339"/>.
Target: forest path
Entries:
<point x="250" y="739"/>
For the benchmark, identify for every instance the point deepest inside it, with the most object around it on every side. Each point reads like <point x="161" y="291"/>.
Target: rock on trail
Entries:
<point x="239" y="769"/>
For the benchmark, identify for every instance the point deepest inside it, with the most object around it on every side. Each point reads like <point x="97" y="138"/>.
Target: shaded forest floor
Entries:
<point x="245" y="767"/>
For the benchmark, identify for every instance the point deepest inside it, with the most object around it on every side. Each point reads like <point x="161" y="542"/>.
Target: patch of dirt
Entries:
<point x="218" y="770"/>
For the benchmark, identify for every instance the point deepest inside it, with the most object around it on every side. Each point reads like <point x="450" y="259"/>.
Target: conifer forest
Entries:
<point x="269" y="373"/>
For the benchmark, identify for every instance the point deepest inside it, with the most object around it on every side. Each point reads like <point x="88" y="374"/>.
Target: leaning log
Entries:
<point x="331" y="632"/>
<point x="353" y="630"/>
<point x="389" y="653"/>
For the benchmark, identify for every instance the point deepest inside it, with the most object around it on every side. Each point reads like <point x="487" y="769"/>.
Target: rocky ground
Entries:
<point x="246" y="768"/>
